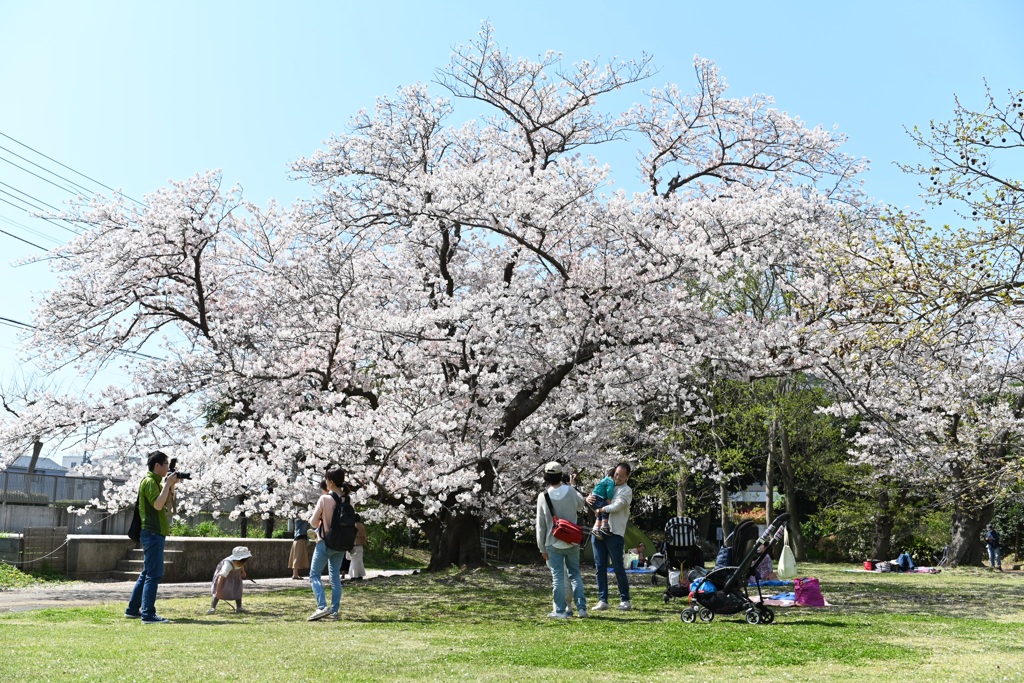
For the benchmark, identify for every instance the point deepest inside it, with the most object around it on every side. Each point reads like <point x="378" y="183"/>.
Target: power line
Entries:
<point x="18" y="199"/>
<point x="43" y="168"/>
<point x="14" y="323"/>
<point x="45" y="180"/>
<point x="69" y="168"/>
<point x="40" y="208"/>
<point x="26" y="228"/>
<point x="11" y="322"/>
<point x="33" y="244"/>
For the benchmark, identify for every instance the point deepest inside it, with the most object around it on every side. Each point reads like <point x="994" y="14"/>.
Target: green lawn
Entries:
<point x="961" y="625"/>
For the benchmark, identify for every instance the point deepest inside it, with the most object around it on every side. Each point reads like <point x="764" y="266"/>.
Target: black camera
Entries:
<point x="172" y="470"/>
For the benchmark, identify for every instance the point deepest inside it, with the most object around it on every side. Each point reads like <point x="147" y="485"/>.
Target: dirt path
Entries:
<point x="81" y="593"/>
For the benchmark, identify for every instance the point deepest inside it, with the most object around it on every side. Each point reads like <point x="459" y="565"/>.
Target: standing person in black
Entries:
<point x="995" y="550"/>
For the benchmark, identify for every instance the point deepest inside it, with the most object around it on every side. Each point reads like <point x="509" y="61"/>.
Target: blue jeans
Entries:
<point x="599" y="517"/>
<point x="610" y="547"/>
<point x="143" y="600"/>
<point x="995" y="557"/>
<point x="332" y="558"/>
<point x="562" y="561"/>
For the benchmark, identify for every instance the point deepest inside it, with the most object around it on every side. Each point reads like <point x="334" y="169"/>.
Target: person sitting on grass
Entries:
<point x="641" y="556"/>
<point x="227" y="580"/>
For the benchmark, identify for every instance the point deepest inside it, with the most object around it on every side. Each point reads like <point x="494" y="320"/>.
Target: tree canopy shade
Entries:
<point x="462" y="301"/>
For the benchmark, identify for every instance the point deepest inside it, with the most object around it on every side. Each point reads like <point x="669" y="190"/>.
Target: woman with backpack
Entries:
<point x="321" y="520"/>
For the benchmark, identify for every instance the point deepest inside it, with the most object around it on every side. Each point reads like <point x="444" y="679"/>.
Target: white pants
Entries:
<point x="356" y="570"/>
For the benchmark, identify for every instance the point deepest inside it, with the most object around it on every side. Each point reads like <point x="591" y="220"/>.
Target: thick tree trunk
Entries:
<point x="268" y="526"/>
<point x="454" y="541"/>
<point x="965" y="547"/>
<point x="37" y="448"/>
<point x="881" y="545"/>
<point x="769" y="472"/>
<point x="796" y="536"/>
<point x="243" y="521"/>
<point x="681" y="502"/>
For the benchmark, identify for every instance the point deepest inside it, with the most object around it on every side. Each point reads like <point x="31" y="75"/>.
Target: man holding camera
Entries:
<point x="156" y="499"/>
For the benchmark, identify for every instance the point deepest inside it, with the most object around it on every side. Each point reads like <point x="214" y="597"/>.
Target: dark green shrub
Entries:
<point x="205" y="529"/>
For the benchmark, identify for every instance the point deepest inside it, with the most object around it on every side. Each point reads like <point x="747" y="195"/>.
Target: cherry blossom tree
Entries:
<point x="933" y="323"/>
<point x="461" y="302"/>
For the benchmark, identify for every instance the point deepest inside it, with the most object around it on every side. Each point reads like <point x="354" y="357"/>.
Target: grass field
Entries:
<point x="961" y="625"/>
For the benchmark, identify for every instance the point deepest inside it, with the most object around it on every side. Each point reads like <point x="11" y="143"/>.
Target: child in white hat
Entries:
<point x="227" y="580"/>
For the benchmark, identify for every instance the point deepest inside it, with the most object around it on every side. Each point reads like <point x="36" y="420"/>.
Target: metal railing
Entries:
<point x="29" y="500"/>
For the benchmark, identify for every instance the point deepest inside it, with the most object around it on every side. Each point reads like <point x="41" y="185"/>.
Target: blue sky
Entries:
<point x="136" y="93"/>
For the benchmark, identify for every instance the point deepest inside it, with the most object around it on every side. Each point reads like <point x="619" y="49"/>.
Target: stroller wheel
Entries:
<point x="706" y="615"/>
<point x="753" y="616"/>
<point x="666" y="597"/>
<point x="688" y="615"/>
<point x="767" y="616"/>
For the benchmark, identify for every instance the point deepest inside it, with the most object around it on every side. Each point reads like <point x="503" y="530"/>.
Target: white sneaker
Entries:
<point x="558" y="615"/>
<point x="625" y="605"/>
<point x="319" y="614"/>
<point x="601" y="606"/>
<point x="212" y="610"/>
<point x="582" y="614"/>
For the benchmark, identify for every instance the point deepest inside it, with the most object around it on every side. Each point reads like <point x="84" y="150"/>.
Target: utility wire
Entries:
<point x="33" y="244"/>
<point x="40" y="208"/>
<point x="19" y="199"/>
<point x="45" y="180"/>
<point x="70" y="169"/>
<point x="26" y="228"/>
<point x="22" y="208"/>
<point x="43" y="168"/>
<point x="11" y="322"/>
<point x="14" y="323"/>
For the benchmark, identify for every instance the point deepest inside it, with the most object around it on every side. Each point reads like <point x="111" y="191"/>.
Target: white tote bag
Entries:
<point x="787" y="561"/>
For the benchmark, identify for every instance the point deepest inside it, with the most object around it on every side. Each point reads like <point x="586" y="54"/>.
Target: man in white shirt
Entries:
<point x="610" y="547"/>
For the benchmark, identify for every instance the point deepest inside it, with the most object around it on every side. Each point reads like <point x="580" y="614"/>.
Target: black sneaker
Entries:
<point x="129" y="615"/>
<point x="156" y="620"/>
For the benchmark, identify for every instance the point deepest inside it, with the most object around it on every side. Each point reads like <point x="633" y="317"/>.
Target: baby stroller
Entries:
<point x="724" y="589"/>
<point x="679" y="552"/>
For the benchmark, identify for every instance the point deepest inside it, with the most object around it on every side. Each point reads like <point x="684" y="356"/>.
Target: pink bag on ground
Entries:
<point x="808" y="592"/>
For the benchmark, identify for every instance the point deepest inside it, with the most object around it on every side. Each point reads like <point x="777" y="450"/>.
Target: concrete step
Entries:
<point x="169" y="554"/>
<point x="129" y="568"/>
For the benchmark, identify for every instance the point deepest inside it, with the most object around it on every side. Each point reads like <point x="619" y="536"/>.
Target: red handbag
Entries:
<point x="563" y="529"/>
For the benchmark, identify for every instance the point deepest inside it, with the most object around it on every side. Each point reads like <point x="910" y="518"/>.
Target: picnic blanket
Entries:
<point x="915" y="570"/>
<point x="784" y="600"/>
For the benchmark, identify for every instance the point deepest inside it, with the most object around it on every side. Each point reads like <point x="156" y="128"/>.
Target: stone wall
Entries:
<point x="201" y="556"/>
<point x="94" y="557"/>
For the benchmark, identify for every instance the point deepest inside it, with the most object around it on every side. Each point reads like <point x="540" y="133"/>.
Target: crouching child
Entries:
<point x="228" y="579"/>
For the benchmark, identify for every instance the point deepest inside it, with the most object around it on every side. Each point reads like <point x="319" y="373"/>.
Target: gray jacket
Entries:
<point x="567" y="501"/>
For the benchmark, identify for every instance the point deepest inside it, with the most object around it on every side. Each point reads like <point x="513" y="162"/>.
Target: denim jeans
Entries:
<point x="143" y="600"/>
<point x="332" y="558"/>
<point x="598" y="503"/>
<point x="610" y="548"/>
<point x="995" y="557"/>
<point x="562" y="562"/>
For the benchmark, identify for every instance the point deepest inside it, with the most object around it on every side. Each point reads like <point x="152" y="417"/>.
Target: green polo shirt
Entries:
<point x="152" y="519"/>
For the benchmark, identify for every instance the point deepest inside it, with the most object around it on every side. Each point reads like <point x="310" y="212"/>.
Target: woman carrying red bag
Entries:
<point x="563" y="558"/>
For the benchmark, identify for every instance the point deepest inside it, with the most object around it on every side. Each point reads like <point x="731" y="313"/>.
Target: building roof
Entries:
<point x="42" y="465"/>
